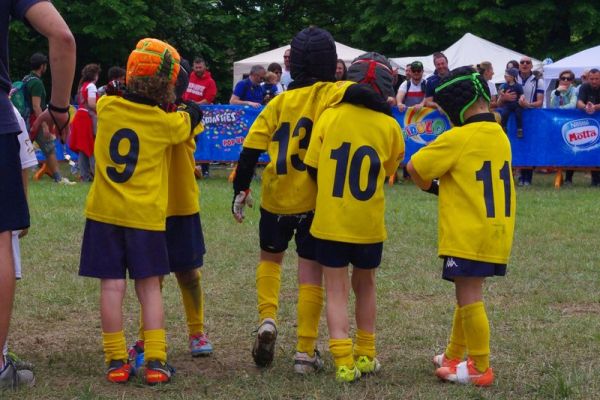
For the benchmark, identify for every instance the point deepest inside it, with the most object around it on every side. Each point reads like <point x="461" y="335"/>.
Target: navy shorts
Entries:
<point x="340" y="254"/>
<point x="14" y="213"/>
<point x="185" y="242"/>
<point x="454" y="266"/>
<point x="109" y="251"/>
<point x="276" y="231"/>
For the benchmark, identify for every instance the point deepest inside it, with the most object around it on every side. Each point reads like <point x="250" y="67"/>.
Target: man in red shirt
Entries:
<point x="202" y="88"/>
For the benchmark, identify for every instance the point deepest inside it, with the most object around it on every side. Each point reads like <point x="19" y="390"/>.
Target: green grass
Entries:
<point x="545" y="314"/>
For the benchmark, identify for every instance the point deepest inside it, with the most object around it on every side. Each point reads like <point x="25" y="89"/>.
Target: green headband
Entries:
<point x="479" y="90"/>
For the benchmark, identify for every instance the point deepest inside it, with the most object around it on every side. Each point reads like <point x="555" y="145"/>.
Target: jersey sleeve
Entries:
<point x="435" y="159"/>
<point x="397" y="154"/>
<point x="260" y="133"/>
<point x="35" y="87"/>
<point x="180" y="123"/>
<point x="403" y="86"/>
<point x="239" y="89"/>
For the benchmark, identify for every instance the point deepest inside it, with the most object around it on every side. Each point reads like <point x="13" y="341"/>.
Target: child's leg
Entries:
<point x="149" y="294"/>
<point x="7" y="285"/>
<point x="363" y="284"/>
<point x="457" y="344"/>
<point x="476" y="327"/>
<point x="192" y="296"/>
<point x="268" y="281"/>
<point x="337" y="287"/>
<point x="310" y="304"/>
<point x="112" y="292"/>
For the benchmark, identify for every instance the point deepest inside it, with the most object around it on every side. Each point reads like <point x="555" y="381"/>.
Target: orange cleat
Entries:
<point x="40" y="172"/>
<point x="118" y="371"/>
<point x="466" y="373"/>
<point x="440" y="360"/>
<point x="157" y="372"/>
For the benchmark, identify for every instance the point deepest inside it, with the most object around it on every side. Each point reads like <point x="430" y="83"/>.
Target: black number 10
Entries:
<point x="485" y="175"/>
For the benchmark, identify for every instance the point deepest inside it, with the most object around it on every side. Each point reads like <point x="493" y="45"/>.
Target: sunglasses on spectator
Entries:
<point x="566" y="78"/>
<point x="525" y="62"/>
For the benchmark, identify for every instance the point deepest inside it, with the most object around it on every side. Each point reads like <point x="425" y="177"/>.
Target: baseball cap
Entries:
<point x="512" y="72"/>
<point x="416" y="66"/>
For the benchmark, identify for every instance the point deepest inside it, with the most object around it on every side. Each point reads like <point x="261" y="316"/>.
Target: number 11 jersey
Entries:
<point x="477" y="202"/>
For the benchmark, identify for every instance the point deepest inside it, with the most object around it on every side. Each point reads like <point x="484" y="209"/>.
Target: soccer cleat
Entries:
<point x="119" y="371"/>
<point x="158" y="372"/>
<point x="200" y="345"/>
<point x="41" y="171"/>
<point x="440" y="361"/>
<point x="466" y="373"/>
<point x="345" y="374"/>
<point x="305" y="364"/>
<point x="263" y="350"/>
<point x="12" y="378"/>
<point x="367" y="366"/>
<point x="136" y="355"/>
<point x="18" y="362"/>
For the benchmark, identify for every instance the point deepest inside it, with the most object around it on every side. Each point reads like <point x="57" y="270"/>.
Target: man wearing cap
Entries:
<point x="412" y="91"/>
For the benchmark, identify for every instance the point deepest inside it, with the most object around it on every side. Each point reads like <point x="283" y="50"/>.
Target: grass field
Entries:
<point x="545" y="314"/>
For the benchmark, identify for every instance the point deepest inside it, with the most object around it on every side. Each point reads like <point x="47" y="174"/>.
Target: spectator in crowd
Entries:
<point x="407" y="71"/>
<point x="486" y="70"/>
<point x="440" y="61"/>
<point x="565" y="97"/>
<point x="83" y="128"/>
<point x="36" y="96"/>
<point x="249" y="92"/>
<point x="286" y="77"/>
<point x="276" y="69"/>
<point x="589" y="101"/>
<point x="116" y="83"/>
<point x="512" y="64"/>
<point x="202" y="88"/>
<point x="512" y="106"/>
<point x="270" y="86"/>
<point x="412" y="91"/>
<point x="14" y="213"/>
<point x="341" y="71"/>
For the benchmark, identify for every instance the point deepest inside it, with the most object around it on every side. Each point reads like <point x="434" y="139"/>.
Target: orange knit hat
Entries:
<point x="153" y="57"/>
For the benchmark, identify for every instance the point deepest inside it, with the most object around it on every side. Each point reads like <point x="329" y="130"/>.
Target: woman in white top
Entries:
<point x="486" y="70"/>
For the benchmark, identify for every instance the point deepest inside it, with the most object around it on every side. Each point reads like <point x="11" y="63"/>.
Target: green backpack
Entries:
<point x="18" y="96"/>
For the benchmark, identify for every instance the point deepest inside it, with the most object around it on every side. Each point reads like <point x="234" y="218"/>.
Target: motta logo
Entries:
<point x="581" y="133"/>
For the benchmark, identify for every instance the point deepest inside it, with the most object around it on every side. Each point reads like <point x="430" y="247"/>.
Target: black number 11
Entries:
<point x="485" y="175"/>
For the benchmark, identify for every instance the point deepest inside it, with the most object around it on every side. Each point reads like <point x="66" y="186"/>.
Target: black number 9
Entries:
<point x="129" y="160"/>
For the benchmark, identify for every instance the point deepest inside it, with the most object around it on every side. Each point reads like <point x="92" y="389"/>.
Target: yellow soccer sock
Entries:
<point x="155" y="346"/>
<point x="457" y="344"/>
<point x="310" y="304"/>
<point x="365" y="344"/>
<point x="341" y="350"/>
<point x="268" y="280"/>
<point x="477" y="334"/>
<point x="192" y="296"/>
<point x="114" y="346"/>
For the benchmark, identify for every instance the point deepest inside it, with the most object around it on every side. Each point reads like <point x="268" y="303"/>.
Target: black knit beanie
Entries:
<point x="313" y="55"/>
<point x="459" y="90"/>
<point x="375" y="70"/>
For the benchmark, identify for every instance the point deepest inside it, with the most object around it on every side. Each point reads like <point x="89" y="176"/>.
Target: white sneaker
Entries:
<point x="305" y="364"/>
<point x="263" y="350"/>
<point x="65" y="181"/>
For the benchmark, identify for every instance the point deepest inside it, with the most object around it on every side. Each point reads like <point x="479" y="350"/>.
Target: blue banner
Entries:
<point x="552" y="137"/>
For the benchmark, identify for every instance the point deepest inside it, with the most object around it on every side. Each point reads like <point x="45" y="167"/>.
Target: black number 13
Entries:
<point x="129" y="160"/>
<point x="485" y="175"/>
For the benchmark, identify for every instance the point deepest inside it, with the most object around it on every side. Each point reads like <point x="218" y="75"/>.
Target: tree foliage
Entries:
<point x="223" y="31"/>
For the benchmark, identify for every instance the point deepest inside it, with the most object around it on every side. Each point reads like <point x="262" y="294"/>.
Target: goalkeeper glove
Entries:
<point x="193" y="110"/>
<point x="240" y="200"/>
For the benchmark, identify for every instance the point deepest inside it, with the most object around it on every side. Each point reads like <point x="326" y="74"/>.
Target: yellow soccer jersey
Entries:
<point x="130" y="183"/>
<point x="284" y="129"/>
<point x="184" y="193"/>
<point x="477" y="199"/>
<point x="354" y="149"/>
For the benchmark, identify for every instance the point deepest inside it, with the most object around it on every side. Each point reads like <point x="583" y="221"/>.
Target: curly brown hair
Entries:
<point x="156" y="88"/>
<point x="89" y="73"/>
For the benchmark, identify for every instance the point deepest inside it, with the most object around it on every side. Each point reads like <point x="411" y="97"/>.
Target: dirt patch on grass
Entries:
<point x="577" y="308"/>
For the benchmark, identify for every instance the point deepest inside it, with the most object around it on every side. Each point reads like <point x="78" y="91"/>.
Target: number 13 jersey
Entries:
<point x="284" y="130"/>
<point x="130" y="183"/>
<point x="477" y="202"/>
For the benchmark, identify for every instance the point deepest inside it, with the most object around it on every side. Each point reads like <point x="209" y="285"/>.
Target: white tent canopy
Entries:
<point x="471" y="50"/>
<point x="242" y="67"/>
<point x="578" y="62"/>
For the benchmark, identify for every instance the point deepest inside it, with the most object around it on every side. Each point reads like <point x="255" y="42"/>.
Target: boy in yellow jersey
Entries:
<point x="283" y="129"/>
<point x="353" y="149"/>
<point x="127" y="203"/>
<point x="476" y="216"/>
<point x="185" y="240"/>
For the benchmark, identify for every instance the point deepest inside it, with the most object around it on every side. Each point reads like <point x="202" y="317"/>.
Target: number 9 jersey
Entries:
<point x="477" y="198"/>
<point x="353" y="149"/>
<point x="130" y="184"/>
<point x="284" y="129"/>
